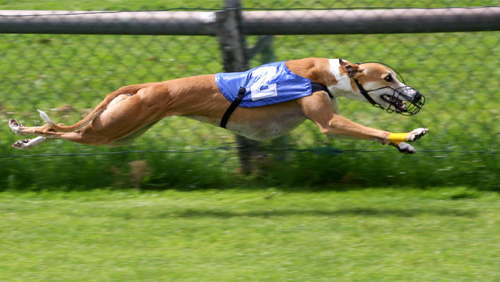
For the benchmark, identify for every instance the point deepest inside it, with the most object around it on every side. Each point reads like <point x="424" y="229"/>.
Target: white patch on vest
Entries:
<point x="262" y="89"/>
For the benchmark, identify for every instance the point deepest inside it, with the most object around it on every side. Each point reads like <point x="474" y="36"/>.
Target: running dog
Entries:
<point x="260" y="104"/>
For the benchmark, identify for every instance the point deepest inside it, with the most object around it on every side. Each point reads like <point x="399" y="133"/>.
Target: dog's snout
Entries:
<point x="417" y="96"/>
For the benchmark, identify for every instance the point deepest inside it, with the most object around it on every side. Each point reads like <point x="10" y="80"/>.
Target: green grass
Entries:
<point x="447" y="234"/>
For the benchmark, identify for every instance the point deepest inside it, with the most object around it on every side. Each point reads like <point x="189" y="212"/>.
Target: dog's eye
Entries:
<point x="388" y="78"/>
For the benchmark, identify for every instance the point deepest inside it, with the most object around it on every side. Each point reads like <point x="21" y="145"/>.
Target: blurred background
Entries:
<point x="66" y="75"/>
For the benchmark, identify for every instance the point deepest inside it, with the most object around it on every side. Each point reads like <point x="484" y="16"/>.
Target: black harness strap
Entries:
<point x="232" y="107"/>
<point x="320" y="87"/>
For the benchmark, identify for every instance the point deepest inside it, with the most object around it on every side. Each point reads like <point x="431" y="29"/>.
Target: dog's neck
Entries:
<point x="343" y="86"/>
<point x="327" y="72"/>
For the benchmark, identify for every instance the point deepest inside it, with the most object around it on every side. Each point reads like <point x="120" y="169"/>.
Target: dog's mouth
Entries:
<point x="400" y="106"/>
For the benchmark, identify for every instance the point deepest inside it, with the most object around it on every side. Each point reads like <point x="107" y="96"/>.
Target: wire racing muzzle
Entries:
<point x="399" y="101"/>
<point x="403" y="100"/>
<point x="403" y="104"/>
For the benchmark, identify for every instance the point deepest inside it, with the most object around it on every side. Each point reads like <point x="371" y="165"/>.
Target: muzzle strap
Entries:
<point x="365" y="94"/>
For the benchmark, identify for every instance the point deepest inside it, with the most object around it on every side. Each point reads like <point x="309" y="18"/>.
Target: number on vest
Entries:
<point x="262" y="89"/>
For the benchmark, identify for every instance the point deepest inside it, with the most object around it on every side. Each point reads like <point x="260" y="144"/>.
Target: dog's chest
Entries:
<point x="259" y="125"/>
<point x="265" y="130"/>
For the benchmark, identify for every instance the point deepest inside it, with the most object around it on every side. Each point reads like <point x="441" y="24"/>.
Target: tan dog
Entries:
<point x="128" y="112"/>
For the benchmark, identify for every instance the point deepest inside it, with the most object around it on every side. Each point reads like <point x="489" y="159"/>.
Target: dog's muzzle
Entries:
<point x="402" y="103"/>
<point x="403" y="100"/>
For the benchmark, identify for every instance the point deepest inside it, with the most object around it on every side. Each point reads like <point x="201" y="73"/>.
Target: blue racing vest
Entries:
<point x="265" y="85"/>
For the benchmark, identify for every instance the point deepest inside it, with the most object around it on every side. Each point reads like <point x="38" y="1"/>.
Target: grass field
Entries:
<point x="251" y="235"/>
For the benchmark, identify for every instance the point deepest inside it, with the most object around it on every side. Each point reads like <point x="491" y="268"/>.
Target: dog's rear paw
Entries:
<point x="27" y="144"/>
<point x="416" y="134"/>
<point x="22" y="144"/>
<point x="406" y="148"/>
<point x="14" y="125"/>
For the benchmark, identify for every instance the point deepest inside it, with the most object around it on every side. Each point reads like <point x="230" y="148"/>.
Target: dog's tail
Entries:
<point x="131" y="89"/>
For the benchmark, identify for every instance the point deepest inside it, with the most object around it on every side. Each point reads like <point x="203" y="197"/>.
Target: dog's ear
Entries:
<point x="352" y="69"/>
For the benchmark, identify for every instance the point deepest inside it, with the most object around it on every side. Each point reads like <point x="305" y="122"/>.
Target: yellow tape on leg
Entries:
<point x="396" y="138"/>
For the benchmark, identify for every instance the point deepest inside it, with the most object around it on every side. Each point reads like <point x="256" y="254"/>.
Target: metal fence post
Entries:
<point x="233" y="44"/>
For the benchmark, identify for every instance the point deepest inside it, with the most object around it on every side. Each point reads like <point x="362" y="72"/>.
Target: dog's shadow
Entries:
<point x="367" y="212"/>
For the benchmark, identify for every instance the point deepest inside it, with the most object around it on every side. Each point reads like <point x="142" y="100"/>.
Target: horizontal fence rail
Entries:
<point x="361" y="21"/>
<point x="358" y="21"/>
<point x="97" y="22"/>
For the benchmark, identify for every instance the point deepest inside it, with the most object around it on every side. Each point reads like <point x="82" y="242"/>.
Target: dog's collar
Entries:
<point x="320" y="87"/>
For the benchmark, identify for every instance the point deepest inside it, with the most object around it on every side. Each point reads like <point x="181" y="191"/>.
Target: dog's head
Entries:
<point x="379" y="85"/>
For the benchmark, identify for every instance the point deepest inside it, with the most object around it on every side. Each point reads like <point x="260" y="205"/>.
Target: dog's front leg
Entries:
<point x="318" y="108"/>
<point x="399" y="140"/>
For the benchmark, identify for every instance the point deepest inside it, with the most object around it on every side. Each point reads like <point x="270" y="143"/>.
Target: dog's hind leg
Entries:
<point x="128" y="139"/>
<point x="124" y="118"/>
<point x="19" y="129"/>
<point x="27" y="144"/>
<point x="43" y="133"/>
<point x="106" y="103"/>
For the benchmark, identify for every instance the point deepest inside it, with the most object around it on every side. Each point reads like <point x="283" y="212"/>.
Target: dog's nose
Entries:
<point x="417" y="96"/>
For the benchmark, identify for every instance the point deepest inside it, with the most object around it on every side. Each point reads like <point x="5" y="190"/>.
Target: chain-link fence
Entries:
<point x="67" y="75"/>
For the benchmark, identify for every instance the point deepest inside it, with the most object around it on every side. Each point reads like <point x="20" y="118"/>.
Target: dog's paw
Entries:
<point x="416" y="134"/>
<point x="22" y="144"/>
<point x="406" y="148"/>
<point x="15" y="126"/>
